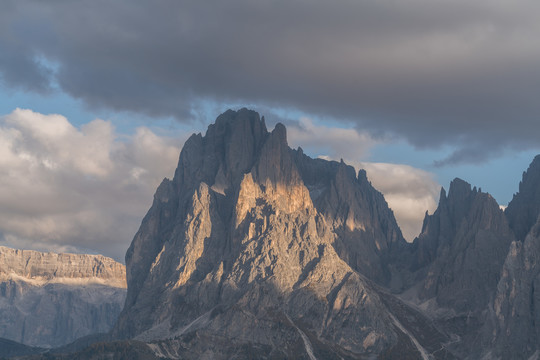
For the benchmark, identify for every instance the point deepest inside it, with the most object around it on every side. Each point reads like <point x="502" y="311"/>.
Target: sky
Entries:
<point x="97" y="98"/>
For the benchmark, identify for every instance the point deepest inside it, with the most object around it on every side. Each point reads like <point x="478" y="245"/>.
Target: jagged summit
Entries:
<point x="251" y="232"/>
<point x="50" y="299"/>
<point x="227" y="151"/>
<point x="256" y="250"/>
<point x="524" y="209"/>
<point x="462" y="246"/>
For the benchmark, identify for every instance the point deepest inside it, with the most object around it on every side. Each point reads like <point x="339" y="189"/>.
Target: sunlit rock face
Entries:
<point x="259" y="245"/>
<point x="49" y="299"/>
<point x="255" y="250"/>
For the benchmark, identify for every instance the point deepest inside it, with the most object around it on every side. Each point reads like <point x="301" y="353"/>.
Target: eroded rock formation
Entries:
<point x="49" y="299"/>
<point x="253" y="245"/>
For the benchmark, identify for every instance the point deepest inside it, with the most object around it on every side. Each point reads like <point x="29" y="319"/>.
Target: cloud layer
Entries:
<point x="452" y="72"/>
<point x="409" y="191"/>
<point x="70" y="189"/>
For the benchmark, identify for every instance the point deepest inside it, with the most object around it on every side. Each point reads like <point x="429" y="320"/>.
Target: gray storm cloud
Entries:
<point x="460" y="73"/>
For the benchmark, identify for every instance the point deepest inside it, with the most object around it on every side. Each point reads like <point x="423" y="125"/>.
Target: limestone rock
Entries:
<point x="462" y="247"/>
<point x="367" y="235"/>
<point x="514" y="330"/>
<point x="49" y="299"/>
<point x="524" y="208"/>
<point x="239" y="252"/>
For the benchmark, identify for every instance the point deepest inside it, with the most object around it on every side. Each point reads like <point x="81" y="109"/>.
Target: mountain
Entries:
<point x="49" y="299"/>
<point x="523" y="210"/>
<point x="514" y="330"/>
<point x="458" y="260"/>
<point x="256" y="250"/>
<point x="10" y="348"/>
<point x="366" y="233"/>
<point x="240" y="254"/>
<point x="463" y="246"/>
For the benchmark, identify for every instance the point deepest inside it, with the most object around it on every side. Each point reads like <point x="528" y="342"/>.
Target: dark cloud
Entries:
<point x="21" y="69"/>
<point x="445" y="72"/>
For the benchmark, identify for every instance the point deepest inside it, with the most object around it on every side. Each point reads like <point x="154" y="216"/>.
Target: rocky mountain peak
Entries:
<point x="275" y="163"/>
<point x="248" y="243"/>
<point x="221" y="157"/>
<point x="524" y="209"/>
<point x="460" y="197"/>
<point x="459" y="189"/>
<point x="463" y="246"/>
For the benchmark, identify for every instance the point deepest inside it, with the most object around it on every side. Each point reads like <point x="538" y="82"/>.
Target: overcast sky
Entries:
<point x="415" y="91"/>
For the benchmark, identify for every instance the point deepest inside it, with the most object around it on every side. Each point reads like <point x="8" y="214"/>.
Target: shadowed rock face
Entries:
<point x="462" y="247"/>
<point x="241" y="245"/>
<point x="367" y="235"/>
<point x="515" y="331"/>
<point x="49" y="299"/>
<point x="522" y="212"/>
<point x="485" y="267"/>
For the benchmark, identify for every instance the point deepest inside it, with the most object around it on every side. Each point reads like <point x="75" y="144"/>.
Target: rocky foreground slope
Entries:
<point x="49" y="299"/>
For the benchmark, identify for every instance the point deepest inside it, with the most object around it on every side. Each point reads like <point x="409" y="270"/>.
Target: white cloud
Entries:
<point x="63" y="187"/>
<point x="409" y="191"/>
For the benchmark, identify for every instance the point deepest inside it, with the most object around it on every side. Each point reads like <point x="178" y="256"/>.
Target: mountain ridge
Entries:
<point x="256" y="250"/>
<point x="241" y="231"/>
<point x="50" y="299"/>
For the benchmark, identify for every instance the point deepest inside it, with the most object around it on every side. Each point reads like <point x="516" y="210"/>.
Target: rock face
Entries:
<point x="483" y="267"/>
<point x="515" y="331"/>
<point x="240" y="253"/>
<point x="49" y="299"/>
<point x="463" y="246"/>
<point x="523" y="210"/>
<point x="367" y="235"/>
<point x="255" y="250"/>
